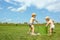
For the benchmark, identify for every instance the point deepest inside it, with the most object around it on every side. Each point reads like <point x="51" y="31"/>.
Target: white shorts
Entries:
<point x="53" y="26"/>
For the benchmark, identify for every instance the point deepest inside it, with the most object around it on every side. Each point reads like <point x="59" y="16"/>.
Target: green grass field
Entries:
<point x="19" y="32"/>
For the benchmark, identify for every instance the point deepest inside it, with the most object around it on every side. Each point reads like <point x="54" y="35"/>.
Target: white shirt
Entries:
<point x="32" y="20"/>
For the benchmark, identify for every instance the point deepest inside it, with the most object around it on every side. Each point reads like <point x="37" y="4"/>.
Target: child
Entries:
<point x="31" y="24"/>
<point x="51" y="23"/>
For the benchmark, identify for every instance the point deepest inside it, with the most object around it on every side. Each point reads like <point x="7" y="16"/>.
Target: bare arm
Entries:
<point x="47" y="24"/>
<point x="36" y="21"/>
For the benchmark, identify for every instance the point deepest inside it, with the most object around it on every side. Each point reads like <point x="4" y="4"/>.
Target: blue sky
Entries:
<point x="19" y="11"/>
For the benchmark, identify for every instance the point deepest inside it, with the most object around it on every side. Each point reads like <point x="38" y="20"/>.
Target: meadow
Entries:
<point x="19" y="32"/>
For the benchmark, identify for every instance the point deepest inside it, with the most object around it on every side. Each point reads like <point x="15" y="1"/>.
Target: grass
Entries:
<point x="19" y="32"/>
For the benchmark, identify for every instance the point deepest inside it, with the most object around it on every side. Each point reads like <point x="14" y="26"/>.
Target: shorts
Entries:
<point x="30" y="24"/>
<point x="53" y="26"/>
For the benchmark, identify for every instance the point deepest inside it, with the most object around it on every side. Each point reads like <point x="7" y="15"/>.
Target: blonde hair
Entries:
<point x="47" y="17"/>
<point x="33" y="14"/>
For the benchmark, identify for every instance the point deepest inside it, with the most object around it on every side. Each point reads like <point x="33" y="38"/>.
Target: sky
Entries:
<point x="19" y="11"/>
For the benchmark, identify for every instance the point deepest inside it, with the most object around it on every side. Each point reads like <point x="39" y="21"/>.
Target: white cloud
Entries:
<point x="20" y="9"/>
<point x="54" y="7"/>
<point x="38" y="3"/>
<point x="7" y="0"/>
<point x="10" y="1"/>
<point x="10" y="7"/>
<point x="13" y="9"/>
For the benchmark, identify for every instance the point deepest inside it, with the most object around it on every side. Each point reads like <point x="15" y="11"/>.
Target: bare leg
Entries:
<point x="32" y="29"/>
<point x="29" y="29"/>
<point x="51" y="31"/>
